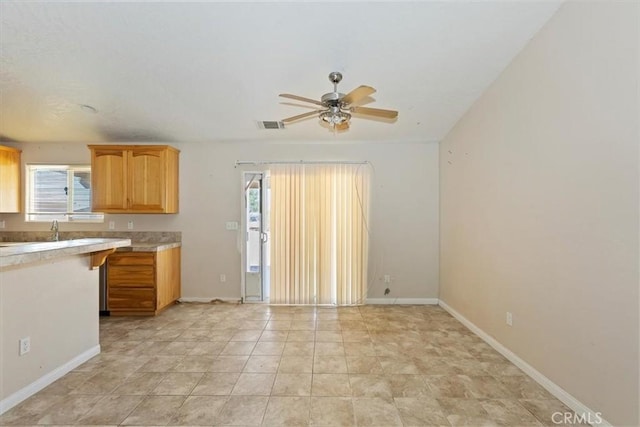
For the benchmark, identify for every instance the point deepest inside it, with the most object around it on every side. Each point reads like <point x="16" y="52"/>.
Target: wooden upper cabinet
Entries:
<point x="134" y="178"/>
<point x="10" y="194"/>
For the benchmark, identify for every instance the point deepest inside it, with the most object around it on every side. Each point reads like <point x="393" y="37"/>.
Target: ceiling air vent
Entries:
<point x="270" y="125"/>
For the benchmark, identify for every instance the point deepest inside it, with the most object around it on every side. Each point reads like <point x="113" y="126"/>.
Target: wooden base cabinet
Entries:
<point x="142" y="283"/>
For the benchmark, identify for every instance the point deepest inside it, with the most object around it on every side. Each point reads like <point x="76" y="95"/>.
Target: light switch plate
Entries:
<point x="232" y="225"/>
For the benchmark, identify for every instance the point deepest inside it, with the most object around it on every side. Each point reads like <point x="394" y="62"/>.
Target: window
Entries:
<point x="60" y="192"/>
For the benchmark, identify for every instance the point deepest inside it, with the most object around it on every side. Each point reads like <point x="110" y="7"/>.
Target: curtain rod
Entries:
<point x="300" y="162"/>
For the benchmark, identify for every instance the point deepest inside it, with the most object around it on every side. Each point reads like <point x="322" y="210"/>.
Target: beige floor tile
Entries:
<point x="292" y="385"/>
<point x="68" y="383"/>
<point x="420" y="411"/>
<point x="296" y="364"/>
<point x="359" y="349"/>
<point x="329" y="336"/>
<point x="297" y="335"/>
<point x="254" y="384"/>
<point x="177" y="383"/>
<point x="395" y="365"/>
<point x="303" y="326"/>
<point x="417" y="359"/>
<point x="262" y="364"/>
<point x="278" y="325"/>
<point x="30" y="411"/>
<point x="69" y="410"/>
<point x="371" y="386"/>
<point x="287" y="411"/>
<point x="269" y="348"/>
<point x="487" y="387"/>
<point x="178" y="348"/>
<point x="112" y="409"/>
<point x="199" y="411"/>
<point x="139" y="383"/>
<point x="247" y="335"/>
<point x="243" y="410"/>
<point x="207" y="348"/>
<point x="154" y="411"/>
<point x="523" y="387"/>
<point x="160" y="364"/>
<point x="375" y="412"/>
<point x="544" y="410"/>
<point x="194" y="364"/>
<point x="364" y="365"/>
<point x="329" y="348"/>
<point x="228" y="363"/>
<point x="103" y="382"/>
<point x="454" y="386"/>
<point x="269" y="335"/>
<point x="509" y="413"/>
<point x="332" y="411"/>
<point x="331" y="385"/>
<point x="330" y="365"/>
<point x="408" y="386"/>
<point x="238" y="348"/>
<point x="216" y="384"/>
<point x="299" y="348"/>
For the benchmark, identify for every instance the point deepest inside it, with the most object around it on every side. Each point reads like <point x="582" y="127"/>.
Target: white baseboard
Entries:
<point x="403" y="301"/>
<point x="208" y="300"/>
<point x="22" y="394"/>
<point x="562" y="395"/>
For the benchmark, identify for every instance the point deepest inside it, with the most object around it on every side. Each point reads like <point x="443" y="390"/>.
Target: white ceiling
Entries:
<point x="208" y="71"/>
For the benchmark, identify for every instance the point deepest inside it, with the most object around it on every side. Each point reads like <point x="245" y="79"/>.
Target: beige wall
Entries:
<point x="404" y="224"/>
<point x="57" y="309"/>
<point x="539" y="207"/>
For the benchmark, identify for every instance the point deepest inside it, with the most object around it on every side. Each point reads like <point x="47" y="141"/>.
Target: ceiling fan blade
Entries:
<point x="357" y="94"/>
<point x="300" y="98"/>
<point x="377" y="112"/>
<point x="300" y="116"/>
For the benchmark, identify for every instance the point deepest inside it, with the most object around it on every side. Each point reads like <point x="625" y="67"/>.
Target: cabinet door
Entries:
<point x="9" y="180"/>
<point x="147" y="174"/>
<point x="109" y="180"/>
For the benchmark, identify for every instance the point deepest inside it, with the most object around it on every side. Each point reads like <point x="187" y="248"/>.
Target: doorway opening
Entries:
<point x="257" y="262"/>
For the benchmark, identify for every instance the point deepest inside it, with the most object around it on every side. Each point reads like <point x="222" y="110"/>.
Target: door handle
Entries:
<point x="264" y="237"/>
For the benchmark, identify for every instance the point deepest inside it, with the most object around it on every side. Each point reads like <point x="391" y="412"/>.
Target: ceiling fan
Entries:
<point x="337" y="107"/>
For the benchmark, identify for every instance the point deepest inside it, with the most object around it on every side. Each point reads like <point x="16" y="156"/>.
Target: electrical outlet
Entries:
<point x="24" y="346"/>
<point x="130" y="225"/>
<point x="231" y="225"/>
<point x="509" y="318"/>
<point x="387" y="278"/>
<point x="112" y="225"/>
<point x="2" y="224"/>
<point x="223" y="278"/>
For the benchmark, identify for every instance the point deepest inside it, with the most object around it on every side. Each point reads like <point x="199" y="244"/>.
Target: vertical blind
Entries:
<point x="319" y="235"/>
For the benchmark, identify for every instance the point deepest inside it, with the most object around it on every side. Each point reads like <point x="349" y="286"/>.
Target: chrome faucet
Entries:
<point x="55" y="236"/>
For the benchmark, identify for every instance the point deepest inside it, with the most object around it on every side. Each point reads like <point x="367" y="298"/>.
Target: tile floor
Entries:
<point x="249" y="365"/>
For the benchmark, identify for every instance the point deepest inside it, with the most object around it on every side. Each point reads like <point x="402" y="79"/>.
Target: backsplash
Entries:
<point x="134" y="236"/>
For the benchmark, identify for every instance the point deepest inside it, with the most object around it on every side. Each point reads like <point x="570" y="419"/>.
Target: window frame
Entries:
<point x="70" y="215"/>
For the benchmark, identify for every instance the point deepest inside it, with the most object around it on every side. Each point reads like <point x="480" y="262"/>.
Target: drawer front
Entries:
<point x="131" y="299"/>
<point x="131" y="277"/>
<point x="131" y="258"/>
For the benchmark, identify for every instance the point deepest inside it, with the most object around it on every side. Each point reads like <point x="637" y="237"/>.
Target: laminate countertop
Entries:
<point x="149" y="246"/>
<point x="24" y="253"/>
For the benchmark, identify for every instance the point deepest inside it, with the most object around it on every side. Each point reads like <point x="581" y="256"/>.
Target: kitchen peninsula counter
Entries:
<point x="48" y="296"/>
<point x="24" y="253"/>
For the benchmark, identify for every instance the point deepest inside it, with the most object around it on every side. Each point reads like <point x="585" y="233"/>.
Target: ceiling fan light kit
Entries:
<point x="337" y="107"/>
